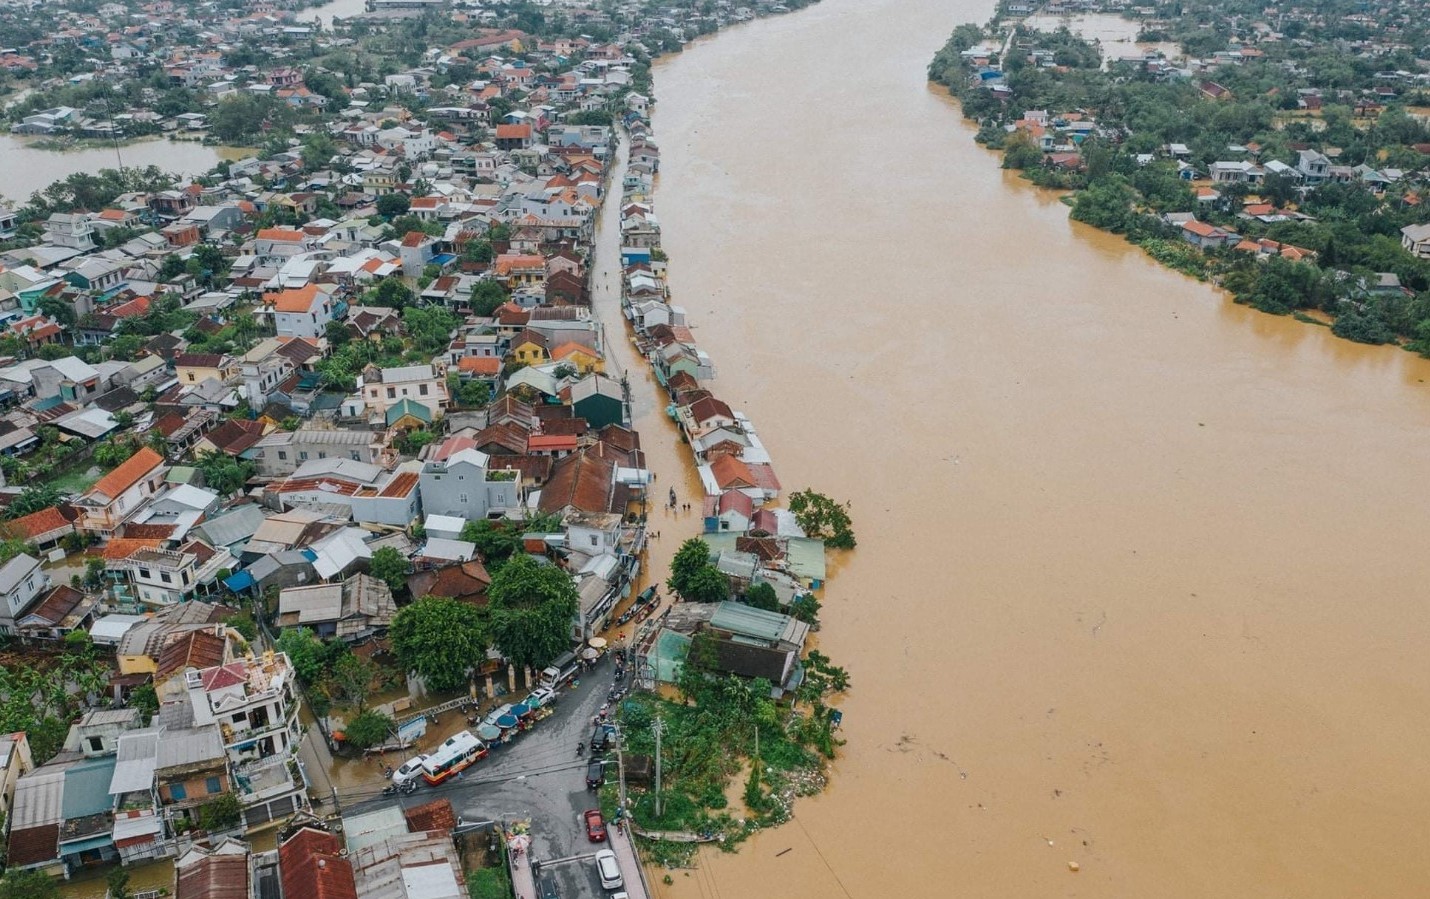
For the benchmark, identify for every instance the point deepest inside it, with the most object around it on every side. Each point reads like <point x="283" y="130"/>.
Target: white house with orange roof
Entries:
<point x="275" y="246"/>
<point x="303" y="311"/>
<point x="118" y="495"/>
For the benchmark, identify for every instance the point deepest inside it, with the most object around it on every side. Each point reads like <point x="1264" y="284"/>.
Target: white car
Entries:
<point x="541" y="696"/>
<point x="410" y="769"/>
<point x="609" y="869"/>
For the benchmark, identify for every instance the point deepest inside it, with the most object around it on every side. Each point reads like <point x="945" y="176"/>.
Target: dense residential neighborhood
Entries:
<point x="264" y="428"/>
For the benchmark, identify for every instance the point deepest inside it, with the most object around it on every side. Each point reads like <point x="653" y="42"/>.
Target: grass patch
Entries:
<point x="77" y="480"/>
<point x="489" y="883"/>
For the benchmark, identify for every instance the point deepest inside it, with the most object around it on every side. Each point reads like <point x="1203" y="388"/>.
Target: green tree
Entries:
<point x="762" y="596"/>
<point x="693" y="555"/>
<point x="224" y="474"/>
<point x="368" y="729"/>
<point x="823" y="519"/>
<point x="439" y="639"/>
<point x="390" y="206"/>
<point x="337" y="333"/>
<point x="496" y="541"/>
<point x="707" y="584"/>
<point x="390" y="566"/>
<point x="220" y="813"/>
<point x="532" y="606"/>
<point x="350" y="679"/>
<point x="28" y="885"/>
<point x="486" y="296"/>
<point x="34" y="498"/>
<point x="145" y="700"/>
<point x="305" y="651"/>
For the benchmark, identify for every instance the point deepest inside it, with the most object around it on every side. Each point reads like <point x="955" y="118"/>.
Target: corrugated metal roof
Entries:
<point x="749" y="622"/>
<point x="134" y="770"/>
<point x="190" y="746"/>
<point x="87" y="787"/>
<point x="39" y="798"/>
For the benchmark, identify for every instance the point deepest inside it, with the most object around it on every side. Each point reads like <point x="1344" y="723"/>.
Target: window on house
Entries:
<point x="282" y="454"/>
<point x="462" y="498"/>
<point x="355" y="456"/>
<point x="213" y="785"/>
<point x="595" y="541"/>
<point x="391" y="392"/>
<point x="303" y="456"/>
<point x="422" y="389"/>
<point x="164" y="576"/>
<point x="186" y="577"/>
<point x="322" y="455"/>
<point x="178" y="793"/>
<point x="96" y="744"/>
<point x="146" y="574"/>
<point x="191" y="376"/>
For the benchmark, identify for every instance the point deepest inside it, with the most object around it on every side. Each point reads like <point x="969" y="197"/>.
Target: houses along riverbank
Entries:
<point x="1279" y="160"/>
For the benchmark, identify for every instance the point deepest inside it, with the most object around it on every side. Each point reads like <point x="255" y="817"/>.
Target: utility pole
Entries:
<point x="621" y="769"/>
<point x="659" y="727"/>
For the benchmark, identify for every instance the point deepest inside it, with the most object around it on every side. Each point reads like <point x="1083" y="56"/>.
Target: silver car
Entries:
<point x="609" y="869"/>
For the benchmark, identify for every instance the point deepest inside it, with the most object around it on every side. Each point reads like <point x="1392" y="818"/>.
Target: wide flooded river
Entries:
<point x="1141" y="579"/>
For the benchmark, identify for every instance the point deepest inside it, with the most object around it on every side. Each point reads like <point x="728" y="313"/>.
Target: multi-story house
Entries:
<point x="304" y="311"/>
<point x="254" y="702"/>
<point x="457" y="481"/>
<point x="425" y="385"/>
<point x="74" y="231"/>
<point x="162" y="577"/>
<point x="118" y="495"/>
<point x="261" y="370"/>
<point x="21" y="581"/>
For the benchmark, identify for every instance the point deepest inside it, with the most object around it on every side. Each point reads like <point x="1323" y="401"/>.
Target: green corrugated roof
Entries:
<point x="408" y="407"/>
<point x="87" y="787"/>
<point x="743" y="620"/>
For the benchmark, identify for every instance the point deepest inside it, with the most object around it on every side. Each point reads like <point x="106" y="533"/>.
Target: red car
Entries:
<point x="595" y="826"/>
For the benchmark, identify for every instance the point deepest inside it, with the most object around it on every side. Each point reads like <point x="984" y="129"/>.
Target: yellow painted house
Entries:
<point x="529" y="348"/>
<point x="583" y="358"/>
<point x="196" y="368"/>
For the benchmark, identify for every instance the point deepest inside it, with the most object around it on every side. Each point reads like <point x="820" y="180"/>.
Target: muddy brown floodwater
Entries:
<point x="1141" y="575"/>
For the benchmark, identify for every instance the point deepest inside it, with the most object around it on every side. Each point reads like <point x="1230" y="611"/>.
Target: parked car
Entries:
<point x="595" y="825"/>
<point x="609" y="869"/>
<point x="411" y="769"/>
<point x="548" y="887"/>
<point x="601" y="736"/>
<point x="595" y="775"/>
<point x="541" y="697"/>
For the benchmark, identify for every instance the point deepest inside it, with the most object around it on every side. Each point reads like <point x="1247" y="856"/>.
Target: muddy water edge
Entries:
<point x="1140" y="583"/>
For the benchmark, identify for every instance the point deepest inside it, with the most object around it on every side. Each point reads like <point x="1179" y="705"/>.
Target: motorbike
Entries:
<point x="580" y="749"/>
<point x="387" y="772"/>
<point x="390" y="790"/>
<point x="408" y="788"/>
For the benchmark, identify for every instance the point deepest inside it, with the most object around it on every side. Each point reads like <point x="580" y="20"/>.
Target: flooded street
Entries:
<point x="29" y="168"/>
<point x="1141" y="577"/>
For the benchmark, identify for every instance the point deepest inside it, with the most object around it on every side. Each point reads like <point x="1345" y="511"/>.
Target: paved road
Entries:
<point x="537" y="778"/>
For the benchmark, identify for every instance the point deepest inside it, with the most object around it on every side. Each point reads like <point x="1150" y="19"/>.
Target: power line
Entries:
<point x="817" y="851"/>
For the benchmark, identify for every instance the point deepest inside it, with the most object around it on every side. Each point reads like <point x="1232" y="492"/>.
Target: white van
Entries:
<point x="609" y="870"/>
<point x="410" y="769"/>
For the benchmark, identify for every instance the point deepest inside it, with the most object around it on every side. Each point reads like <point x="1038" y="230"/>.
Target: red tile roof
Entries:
<point x="37" y="524"/>
<point x="213" y="877"/>
<point x="196" y="649"/>
<point x="434" y="815"/>
<point x="313" y="867"/>
<point x="34" y="845"/>
<point x="298" y="300"/>
<point x="124" y="547"/>
<point x="130" y="472"/>
<point x="480" y="365"/>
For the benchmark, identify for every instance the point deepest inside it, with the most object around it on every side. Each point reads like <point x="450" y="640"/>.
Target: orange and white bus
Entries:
<point x="457" y="752"/>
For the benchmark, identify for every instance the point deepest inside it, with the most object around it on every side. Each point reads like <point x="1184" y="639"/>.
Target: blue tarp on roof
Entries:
<point x="309" y="555"/>
<point x="241" y="581"/>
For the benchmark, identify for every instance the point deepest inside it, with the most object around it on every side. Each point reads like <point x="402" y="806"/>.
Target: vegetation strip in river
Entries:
<point x="1283" y="165"/>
